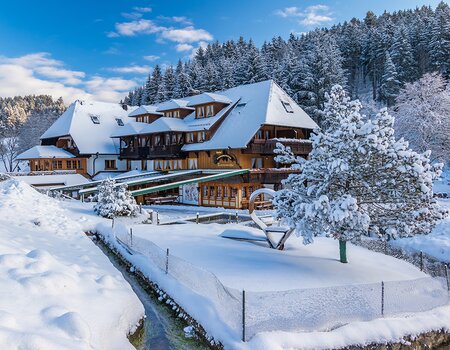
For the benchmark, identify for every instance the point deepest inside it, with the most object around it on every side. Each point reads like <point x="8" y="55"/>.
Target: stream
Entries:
<point x="162" y="330"/>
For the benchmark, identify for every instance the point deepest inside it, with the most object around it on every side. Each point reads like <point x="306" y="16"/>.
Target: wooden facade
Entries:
<point x="51" y="164"/>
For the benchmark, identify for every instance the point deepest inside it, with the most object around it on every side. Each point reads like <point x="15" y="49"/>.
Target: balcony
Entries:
<point x="152" y="152"/>
<point x="266" y="147"/>
<point x="270" y="176"/>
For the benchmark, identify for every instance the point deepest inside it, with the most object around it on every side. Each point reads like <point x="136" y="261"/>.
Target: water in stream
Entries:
<point x="162" y="330"/>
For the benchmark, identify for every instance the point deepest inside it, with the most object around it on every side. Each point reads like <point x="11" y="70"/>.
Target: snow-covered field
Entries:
<point x="245" y="265"/>
<point x="57" y="290"/>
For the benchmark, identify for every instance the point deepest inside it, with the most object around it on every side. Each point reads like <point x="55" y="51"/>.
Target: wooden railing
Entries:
<point x="152" y="152"/>
<point x="268" y="147"/>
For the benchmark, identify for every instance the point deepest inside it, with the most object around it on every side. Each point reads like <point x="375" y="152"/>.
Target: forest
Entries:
<point x="372" y="58"/>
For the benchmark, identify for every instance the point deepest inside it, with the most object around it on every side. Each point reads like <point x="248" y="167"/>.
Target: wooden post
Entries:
<point x="385" y="246"/>
<point x="382" y="298"/>
<point x="112" y="223"/>
<point x="167" y="261"/>
<point x="197" y="218"/>
<point x="140" y="208"/>
<point x="243" y="315"/>
<point x="343" y="251"/>
<point x="131" y="237"/>
<point x="421" y="261"/>
<point x="237" y="218"/>
<point x="446" y="276"/>
<point x="157" y="218"/>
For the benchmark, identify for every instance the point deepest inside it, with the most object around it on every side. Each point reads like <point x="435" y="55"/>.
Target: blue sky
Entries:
<point x="100" y="49"/>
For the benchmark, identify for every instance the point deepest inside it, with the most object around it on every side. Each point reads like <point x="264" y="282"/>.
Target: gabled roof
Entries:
<point x="44" y="152"/>
<point x="257" y="104"/>
<point x="173" y="104"/>
<point x="133" y="128"/>
<point x="208" y="97"/>
<point x="89" y="137"/>
<point x="145" y="109"/>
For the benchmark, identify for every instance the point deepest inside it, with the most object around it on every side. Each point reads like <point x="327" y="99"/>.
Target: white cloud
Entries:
<point x="186" y="35"/>
<point x="131" y="69"/>
<point x="142" y="26"/>
<point x="142" y="9"/>
<point x="310" y="16"/>
<point x="131" y="15"/>
<point x="151" y="58"/>
<point x="39" y="73"/>
<point x="184" y="47"/>
<point x="177" y="19"/>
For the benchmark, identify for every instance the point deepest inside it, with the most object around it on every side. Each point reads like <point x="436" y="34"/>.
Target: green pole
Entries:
<point x="343" y="251"/>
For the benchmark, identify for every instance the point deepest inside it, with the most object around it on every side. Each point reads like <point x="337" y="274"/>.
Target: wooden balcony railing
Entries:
<point x="152" y="152"/>
<point x="267" y="147"/>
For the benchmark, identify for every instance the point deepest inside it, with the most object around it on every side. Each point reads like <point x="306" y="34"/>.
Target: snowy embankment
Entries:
<point x="277" y="282"/>
<point x="57" y="290"/>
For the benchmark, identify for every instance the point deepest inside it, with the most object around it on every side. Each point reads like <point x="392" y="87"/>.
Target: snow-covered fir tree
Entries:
<point x="358" y="180"/>
<point x="113" y="200"/>
<point x="390" y="85"/>
<point x="422" y="114"/>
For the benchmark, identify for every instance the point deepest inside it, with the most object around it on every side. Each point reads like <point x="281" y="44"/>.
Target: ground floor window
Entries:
<point x="257" y="163"/>
<point x="57" y="164"/>
<point x="193" y="163"/>
<point x="73" y="164"/>
<point x="143" y="164"/>
<point x="110" y="164"/>
<point x="128" y="164"/>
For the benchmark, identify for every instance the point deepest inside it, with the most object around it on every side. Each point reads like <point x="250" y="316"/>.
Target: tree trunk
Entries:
<point x="343" y="251"/>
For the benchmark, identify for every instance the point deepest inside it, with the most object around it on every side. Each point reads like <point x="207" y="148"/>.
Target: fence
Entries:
<point x="326" y="308"/>
<point x="424" y="262"/>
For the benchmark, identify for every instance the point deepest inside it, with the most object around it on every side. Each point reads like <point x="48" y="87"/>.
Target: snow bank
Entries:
<point x="58" y="291"/>
<point x="435" y="244"/>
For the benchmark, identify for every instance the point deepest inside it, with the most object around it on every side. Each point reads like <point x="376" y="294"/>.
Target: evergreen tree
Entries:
<point x="114" y="200"/>
<point x="358" y="180"/>
<point x="440" y="42"/>
<point x="169" y="83"/>
<point x="390" y="85"/>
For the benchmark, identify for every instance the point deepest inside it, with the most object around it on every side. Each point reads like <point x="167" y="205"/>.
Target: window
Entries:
<point x="193" y="163"/>
<point x="200" y="112"/>
<point x="259" y="135"/>
<point x="119" y="122"/>
<point x="287" y="106"/>
<point x="209" y="110"/>
<point x="201" y="136"/>
<point x="205" y="191"/>
<point x="57" y="164"/>
<point x="143" y="164"/>
<point x="95" y="119"/>
<point x="176" y="114"/>
<point x="257" y="163"/>
<point x="110" y="164"/>
<point x="267" y="134"/>
<point x="189" y="137"/>
<point x="128" y="164"/>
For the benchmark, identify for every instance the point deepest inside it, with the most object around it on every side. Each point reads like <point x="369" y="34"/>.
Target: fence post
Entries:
<point x="157" y="218"/>
<point x="421" y="261"/>
<point x="112" y="223"/>
<point x="382" y="298"/>
<point x="385" y="246"/>
<point x="140" y="208"/>
<point x="446" y="276"/>
<point x="167" y="261"/>
<point x="237" y="218"/>
<point x="131" y="237"/>
<point x="197" y="218"/>
<point x="243" y="315"/>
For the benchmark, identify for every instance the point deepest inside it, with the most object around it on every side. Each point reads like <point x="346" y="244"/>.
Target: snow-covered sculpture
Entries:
<point x="113" y="200"/>
<point x="358" y="180"/>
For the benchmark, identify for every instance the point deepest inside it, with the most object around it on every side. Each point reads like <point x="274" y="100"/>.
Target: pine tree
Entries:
<point x="358" y="180"/>
<point x="169" y="83"/>
<point x="113" y="200"/>
<point x="401" y="53"/>
<point x="440" y="42"/>
<point x="390" y="85"/>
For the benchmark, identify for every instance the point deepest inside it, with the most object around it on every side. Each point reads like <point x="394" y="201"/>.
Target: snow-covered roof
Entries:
<point x="208" y="97"/>
<point x="44" y="152"/>
<point x="133" y="128"/>
<point x="173" y="104"/>
<point x="145" y="109"/>
<point x="50" y="181"/>
<point x="255" y="105"/>
<point x="250" y="107"/>
<point x="90" y="124"/>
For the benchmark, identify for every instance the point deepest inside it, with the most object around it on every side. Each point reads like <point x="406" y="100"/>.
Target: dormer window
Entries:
<point x="287" y="106"/>
<point x="209" y="110"/>
<point x="119" y="122"/>
<point x="200" y="112"/>
<point x="95" y="119"/>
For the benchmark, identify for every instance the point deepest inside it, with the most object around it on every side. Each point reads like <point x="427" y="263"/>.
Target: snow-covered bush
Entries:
<point x="115" y="200"/>
<point x="358" y="180"/>
<point x="4" y="177"/>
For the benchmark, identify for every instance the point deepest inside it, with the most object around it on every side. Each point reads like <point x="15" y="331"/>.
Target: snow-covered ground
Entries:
<point x="57" y="290"/>
<point x="245" y="265"/>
